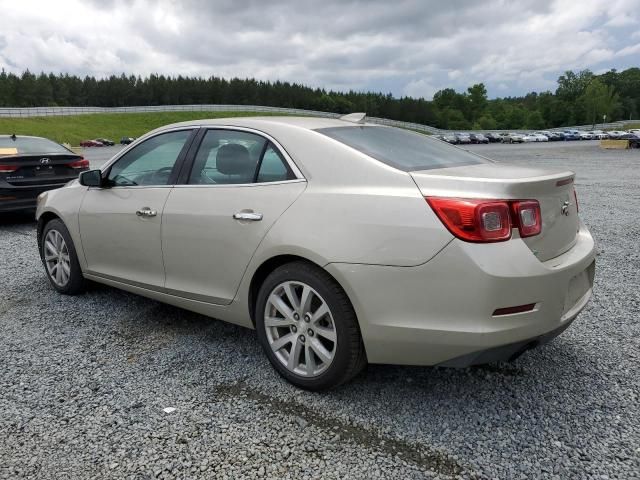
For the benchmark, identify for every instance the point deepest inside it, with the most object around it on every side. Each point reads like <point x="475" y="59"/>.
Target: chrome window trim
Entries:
<point x="140" y="140"/>
<point x="233" y="185"/>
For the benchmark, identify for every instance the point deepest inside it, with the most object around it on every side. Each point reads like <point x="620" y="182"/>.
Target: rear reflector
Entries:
<point x="480" y="220"/>
<point x="511" y="310"/>
<point x="82" y="163"/>
<point x="8" y="168"/>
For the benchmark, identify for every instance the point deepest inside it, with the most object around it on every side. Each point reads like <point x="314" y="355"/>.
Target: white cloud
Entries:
<point x="412" y="47"/>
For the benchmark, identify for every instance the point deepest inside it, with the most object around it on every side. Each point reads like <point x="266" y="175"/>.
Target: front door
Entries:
<point x="120" y="223"/>
<point x="239" y="185"/>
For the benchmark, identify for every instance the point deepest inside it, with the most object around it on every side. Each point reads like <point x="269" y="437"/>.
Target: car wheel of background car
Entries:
<point x="308" y="328"/>
<point x="60" y="260"/>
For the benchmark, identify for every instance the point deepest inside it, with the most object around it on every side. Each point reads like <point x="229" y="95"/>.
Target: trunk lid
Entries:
<point x="553" y="190"/>
<point x="40" y="169"/>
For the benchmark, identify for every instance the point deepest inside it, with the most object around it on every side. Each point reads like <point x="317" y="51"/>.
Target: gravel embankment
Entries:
<point x="84" y="380"/>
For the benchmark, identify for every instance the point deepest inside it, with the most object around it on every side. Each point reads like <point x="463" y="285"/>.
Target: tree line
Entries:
<point x="580" y="98"/>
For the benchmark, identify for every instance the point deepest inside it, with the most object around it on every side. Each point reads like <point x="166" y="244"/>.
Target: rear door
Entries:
<point x="240" y="183"/>
<point x="120" y="224"/>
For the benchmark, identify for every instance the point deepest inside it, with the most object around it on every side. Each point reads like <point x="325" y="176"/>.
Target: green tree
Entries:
<point x="535" y="120"/>
<point x="599" y="99"/>
<point x="477" y="99"/>
<point x="571" y="85"/>
<point x="487" y="122"/>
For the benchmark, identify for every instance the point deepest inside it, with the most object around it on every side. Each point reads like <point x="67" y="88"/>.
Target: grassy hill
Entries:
<point x="74" y="128"/>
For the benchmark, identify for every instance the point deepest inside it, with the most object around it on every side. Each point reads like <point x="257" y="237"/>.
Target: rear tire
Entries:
<point x="60" y="260"/>
<point x="307" y="327"/>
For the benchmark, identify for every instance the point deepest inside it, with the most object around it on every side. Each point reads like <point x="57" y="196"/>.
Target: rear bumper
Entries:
<point x="441" y="312"/>
<point x="22" y="198"/>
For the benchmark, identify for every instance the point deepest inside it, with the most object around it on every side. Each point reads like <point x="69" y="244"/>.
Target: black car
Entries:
<point x="106" y="141"/>
<point x="478" y="138"/>
<point x="126" y="140"/>
<point x="493" y="137"/>
<point x="32" y="165"/>
<point x="632" y="138"/>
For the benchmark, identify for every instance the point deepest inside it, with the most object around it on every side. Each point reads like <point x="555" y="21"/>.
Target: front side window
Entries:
<point x="402" y="149"/>
<point x="236" y="157"/>
<point x="150" y="163"/>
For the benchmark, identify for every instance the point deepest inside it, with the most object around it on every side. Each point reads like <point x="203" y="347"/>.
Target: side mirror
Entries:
<point x="91" y="178"/>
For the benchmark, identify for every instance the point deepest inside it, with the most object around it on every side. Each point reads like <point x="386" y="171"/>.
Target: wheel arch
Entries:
<point x="45" y="218"/>
<point x="268" y="266"/>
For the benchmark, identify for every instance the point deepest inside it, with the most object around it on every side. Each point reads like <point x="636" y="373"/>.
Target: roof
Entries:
<point x="308" y="123"/>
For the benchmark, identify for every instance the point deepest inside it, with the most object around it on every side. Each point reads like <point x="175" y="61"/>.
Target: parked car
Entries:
<point x="493" y="137"/>
<point x="598" y="134"/>
<point x="534" y="137"/>
<point x="615" y="134"/>
<point x="106" y="142"/>
<point x="586" y="135"/>
<point x="571" y="135"/>
<point x="126" y="140"/>
<point x="512" y="137"/>
<point x="541" y="136"/>
<point x="91" y="143"/>
<point x="633" y="138"/>
<point x="559" y="136"/>
<point x="478" y="138"/>
<point x="32" y="165"/>
<point x="462" y="138"/>
<point x="552" y="136"/>
<point x="450" y="138"/>
<point x="291" y="245"/>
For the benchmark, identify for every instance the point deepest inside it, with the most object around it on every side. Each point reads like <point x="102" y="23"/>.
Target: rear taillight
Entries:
<point x="480" y="220"/>
<point x="8" y="168"/>
<point x="82" y="163"/>
<point x="575" y="196"/>
<point x="474" y="220"/>
<point x="526" y="216"/>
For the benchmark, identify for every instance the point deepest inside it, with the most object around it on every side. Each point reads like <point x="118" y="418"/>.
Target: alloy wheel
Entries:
<point x="300" y="328"/>
<point x="56" y="257"/>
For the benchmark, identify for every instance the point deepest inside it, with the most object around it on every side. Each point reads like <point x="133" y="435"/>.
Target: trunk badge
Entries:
<point x="44" y="161"/>
<point x="565" y="208"/>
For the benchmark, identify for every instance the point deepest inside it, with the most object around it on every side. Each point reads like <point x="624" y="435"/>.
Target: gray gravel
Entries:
<point x="84" y="380"/>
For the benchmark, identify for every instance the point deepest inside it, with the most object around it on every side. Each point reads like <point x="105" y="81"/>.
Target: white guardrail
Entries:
<point x="58" y="111"/>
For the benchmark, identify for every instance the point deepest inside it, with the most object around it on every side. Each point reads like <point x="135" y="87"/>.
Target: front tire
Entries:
<point x="60" y="259"/>
<point x="308" y="328"/>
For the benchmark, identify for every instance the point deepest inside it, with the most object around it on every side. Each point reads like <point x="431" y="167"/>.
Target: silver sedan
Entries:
<point x="341" y="242"/>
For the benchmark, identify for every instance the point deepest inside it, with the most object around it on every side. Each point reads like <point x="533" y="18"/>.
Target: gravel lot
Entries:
<point x="84" y="380"/>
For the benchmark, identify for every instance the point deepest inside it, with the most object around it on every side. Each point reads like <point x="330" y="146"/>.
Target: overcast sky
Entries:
<point x="404" y="47"/>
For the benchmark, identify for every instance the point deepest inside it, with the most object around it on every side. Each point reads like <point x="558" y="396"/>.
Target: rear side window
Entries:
<point x="29" y="145"/>
<point x="401" y="149"/>
<point x="273" y="168"/>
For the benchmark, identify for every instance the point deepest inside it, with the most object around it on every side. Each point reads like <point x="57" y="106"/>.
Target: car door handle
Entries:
<point x="146" y="212"/>
<point x="252" y="216"/>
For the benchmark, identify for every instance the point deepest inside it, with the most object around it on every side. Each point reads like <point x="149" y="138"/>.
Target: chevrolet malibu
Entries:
<point x="341" y="242"/>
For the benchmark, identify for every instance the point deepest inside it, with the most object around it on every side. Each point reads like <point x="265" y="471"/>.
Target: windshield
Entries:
<point x="28" y="145"/>
<point x="402" y="149"/>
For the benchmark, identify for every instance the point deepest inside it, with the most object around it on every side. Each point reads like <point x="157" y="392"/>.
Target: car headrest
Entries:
<point x="234" y="159"/>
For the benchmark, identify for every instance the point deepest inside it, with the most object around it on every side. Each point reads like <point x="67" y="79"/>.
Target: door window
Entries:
<point x="150" y="163"/>
<point x="236" y="157"/>
<point x="273" y="167"/>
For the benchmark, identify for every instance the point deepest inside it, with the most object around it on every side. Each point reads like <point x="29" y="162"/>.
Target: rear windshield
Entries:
<point x="401" y="149"/>
<point x="26" y="145"/>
